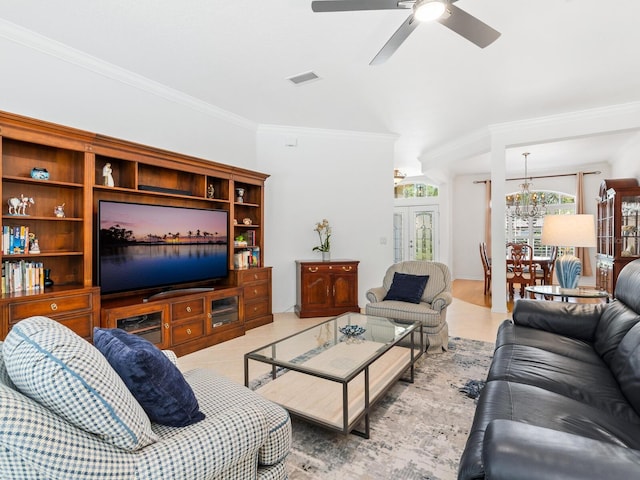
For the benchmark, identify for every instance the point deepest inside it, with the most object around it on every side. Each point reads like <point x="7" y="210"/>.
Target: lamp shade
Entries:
<point x="569" y="230"/>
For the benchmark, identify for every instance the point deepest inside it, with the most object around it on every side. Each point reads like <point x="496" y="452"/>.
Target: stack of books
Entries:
<point x="22" y="276"/>
<point x="15" y="240"/>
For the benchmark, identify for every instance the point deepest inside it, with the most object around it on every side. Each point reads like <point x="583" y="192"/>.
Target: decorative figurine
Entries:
<point x="108" y="177"/>
<point x="211" y="191"/>
<point x="239" y="195"/>
<point x="59" y="211"/>
<point x="34" y="247"/>
<point x="18" y="206"/>
<point x="247" y="221"/>
<point x="38" y="173"/>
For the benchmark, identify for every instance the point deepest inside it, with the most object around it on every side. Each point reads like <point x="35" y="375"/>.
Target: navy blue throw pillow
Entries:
<point x="155" y="382"/>
<point x="407" y="288"/>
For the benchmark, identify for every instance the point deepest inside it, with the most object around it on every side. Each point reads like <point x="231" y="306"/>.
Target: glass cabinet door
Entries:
<point x="630" y="213"/>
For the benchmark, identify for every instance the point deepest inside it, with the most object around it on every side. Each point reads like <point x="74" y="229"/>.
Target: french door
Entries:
<point x="415" y="233"/>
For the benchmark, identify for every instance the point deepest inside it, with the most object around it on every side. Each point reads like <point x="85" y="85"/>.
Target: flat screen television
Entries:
<point x="143" y="247"/>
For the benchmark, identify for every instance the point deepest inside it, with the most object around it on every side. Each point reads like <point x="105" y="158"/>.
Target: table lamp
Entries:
<point x="569" y="231"/>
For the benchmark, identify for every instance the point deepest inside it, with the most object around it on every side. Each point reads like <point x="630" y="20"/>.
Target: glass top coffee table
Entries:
<point x="333" y="373"/>
<point x="566" y="293"/>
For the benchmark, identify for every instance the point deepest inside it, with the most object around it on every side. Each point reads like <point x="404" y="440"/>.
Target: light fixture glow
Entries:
<point x="429" y="10"/>
<point x="526" y="204"/>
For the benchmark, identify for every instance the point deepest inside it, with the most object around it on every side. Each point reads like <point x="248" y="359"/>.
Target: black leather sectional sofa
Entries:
<point x="562" y="399"/>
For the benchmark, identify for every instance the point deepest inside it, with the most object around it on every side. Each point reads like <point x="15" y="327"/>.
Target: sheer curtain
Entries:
<point x="581" y="252"/>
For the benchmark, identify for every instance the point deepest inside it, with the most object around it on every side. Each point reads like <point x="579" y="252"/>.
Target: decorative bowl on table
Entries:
<point x="353" y="333"/>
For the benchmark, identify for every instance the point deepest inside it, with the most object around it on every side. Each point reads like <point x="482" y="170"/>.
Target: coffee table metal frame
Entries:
<point x="566" y="293"/>
<point x="416" y="351"/>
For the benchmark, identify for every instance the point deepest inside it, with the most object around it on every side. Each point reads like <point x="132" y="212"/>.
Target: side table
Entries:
<point x="566" y="293"/>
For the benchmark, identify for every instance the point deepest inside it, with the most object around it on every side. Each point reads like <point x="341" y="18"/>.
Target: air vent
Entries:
<point x="303" y="78"/>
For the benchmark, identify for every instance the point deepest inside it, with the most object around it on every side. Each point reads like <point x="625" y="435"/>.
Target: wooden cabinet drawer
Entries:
<point x="248" y="276"/>
<point x="81" y="324"/>
<point x="256" y="309"/>
<point x="187" y="331"/>
<point x="252" y="292"/>
<point x="187" y="309"/>
<point x="50" y="307"/>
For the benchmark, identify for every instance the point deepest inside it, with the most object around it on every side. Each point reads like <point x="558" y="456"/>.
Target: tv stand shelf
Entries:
<point x="184" y="322"/>
<point x="76" y="179"/>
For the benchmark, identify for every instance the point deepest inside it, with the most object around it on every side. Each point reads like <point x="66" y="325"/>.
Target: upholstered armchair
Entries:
<point x="429" y="307"/>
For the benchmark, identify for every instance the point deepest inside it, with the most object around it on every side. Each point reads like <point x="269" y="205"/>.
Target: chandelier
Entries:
<point x="525" y="204"/>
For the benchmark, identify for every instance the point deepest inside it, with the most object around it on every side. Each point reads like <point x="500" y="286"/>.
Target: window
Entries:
<point x="530" y="231"/>
<point x="415" y="190"/>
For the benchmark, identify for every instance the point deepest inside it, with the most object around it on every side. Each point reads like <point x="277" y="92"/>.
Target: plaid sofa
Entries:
<point x="242" y="437"/>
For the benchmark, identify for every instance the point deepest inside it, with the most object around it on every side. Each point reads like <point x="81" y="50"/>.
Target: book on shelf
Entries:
<point x="22" y="276"/>
<point x="247" y="258"/>
<point x="15" y="239"/>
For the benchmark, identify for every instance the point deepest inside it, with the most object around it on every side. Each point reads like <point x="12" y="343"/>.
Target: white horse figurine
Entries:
<point x="18" y="206"/>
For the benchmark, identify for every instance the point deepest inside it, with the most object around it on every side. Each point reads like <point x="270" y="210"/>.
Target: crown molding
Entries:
<point x="624" y="110"/>
<point x="589" y="121"/>
<point x="34" y="41"/>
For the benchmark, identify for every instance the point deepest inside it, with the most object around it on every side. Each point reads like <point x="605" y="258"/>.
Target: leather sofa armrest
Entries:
<point x="441" y="301"/>
<point x="376" y="294"/>
<point x="569" y="319"/>
<point x="518" y="451"/>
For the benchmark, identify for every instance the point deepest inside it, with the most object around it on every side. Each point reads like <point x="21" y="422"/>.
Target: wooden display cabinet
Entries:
<point x="74" y="161"/>
<point x="618" y="230"/>
<point x="326" y="288"/>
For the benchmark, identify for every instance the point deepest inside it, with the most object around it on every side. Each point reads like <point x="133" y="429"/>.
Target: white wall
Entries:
<point x="72" y="89"/>
<point x="627" y="161"/>
<point x="344" y="177"/>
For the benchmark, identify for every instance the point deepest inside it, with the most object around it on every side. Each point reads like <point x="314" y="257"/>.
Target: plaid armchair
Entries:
<point x="243" y="436"/>
<point x="430" y="310"/>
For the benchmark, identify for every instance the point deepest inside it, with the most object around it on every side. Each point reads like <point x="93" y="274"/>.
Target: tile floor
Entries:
<point x="465" y="320"/>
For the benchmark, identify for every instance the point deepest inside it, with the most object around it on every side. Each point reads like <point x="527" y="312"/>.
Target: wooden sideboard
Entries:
<point x="326" y="288"/>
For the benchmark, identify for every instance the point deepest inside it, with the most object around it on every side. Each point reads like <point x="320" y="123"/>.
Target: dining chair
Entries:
<point x="520" y="267"/>
<point x="486" y="265"/>
<point x="546" y="277"/>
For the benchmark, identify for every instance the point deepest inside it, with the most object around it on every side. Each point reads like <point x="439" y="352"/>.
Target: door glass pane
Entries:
<point x="423" y="236"/>
<point x="398" y="241"/>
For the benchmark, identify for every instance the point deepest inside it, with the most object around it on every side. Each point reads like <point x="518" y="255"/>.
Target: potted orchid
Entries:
<point x="324" y="233"/>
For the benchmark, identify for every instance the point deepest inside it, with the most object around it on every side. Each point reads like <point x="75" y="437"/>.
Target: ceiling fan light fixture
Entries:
<point x="429" y="10"/>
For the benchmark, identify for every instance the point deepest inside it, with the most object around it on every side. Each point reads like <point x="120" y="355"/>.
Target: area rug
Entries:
<point x="418" y="431"/>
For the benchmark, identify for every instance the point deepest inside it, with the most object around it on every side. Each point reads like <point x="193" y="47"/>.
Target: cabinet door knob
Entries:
<point x="188" y="331"/>
<point x="255" y="276"/>
<point x="166" y="325"/>
<point x="255" y="291"/>
<point x="313" y="269"/>
<point x="54" y="306"/>
<point x="188" y="309"/>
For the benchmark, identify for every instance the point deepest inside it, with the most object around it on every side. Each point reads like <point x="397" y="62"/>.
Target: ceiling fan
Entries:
<point x="441" y="11"/>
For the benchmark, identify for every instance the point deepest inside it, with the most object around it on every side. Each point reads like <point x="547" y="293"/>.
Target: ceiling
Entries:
<point x="554" y="56"/>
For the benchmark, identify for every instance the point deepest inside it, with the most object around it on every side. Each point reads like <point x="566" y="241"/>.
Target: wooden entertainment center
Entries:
<point x="182" y="320"/>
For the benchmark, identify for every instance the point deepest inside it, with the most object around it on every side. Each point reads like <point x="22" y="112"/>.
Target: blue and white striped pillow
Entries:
<point x="63" y="372"/>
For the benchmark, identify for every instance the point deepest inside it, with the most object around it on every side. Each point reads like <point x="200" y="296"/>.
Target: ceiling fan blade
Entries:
<point x="470" y="27"/>
<point x="353" y="5"/>
<point x="395" y="41"/>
